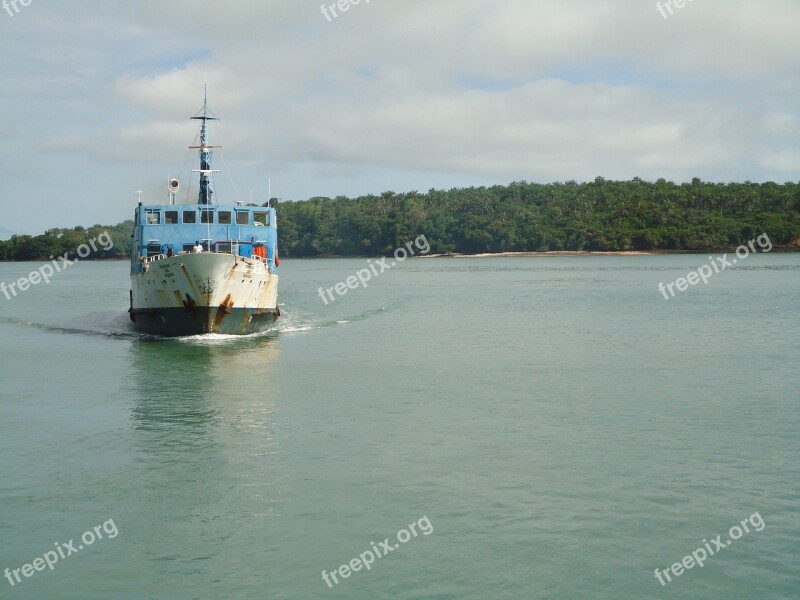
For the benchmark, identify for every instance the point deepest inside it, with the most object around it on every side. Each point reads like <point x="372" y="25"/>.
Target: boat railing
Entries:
<point x="156" y="257"/>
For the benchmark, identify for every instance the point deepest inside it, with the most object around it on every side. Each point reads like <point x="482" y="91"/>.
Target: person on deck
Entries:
<point x="197" y="247"/>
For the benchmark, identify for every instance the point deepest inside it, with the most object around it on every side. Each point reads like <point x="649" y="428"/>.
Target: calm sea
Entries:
<point x="552" y="427"/>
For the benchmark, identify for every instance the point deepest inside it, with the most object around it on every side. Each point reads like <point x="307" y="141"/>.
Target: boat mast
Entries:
<point x="206" y="195"/>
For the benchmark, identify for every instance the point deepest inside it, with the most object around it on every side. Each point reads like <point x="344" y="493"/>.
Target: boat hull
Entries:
<point x="178" y="322"/>
<point x="194" y="294"/>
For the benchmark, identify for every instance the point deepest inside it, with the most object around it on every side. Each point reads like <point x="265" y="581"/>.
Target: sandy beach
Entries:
<point x="551" y="253"/>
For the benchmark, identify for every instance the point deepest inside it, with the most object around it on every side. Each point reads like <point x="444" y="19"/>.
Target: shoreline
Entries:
<point x="554" y="253"/>
<point x="521" y="254"/>
<point x="549" y="253"/>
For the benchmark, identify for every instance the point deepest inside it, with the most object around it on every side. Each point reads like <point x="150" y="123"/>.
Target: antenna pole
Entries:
<point x="206" y="195"/>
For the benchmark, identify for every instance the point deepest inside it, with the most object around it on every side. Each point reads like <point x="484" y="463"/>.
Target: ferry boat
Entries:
<point x="205" y="267"/>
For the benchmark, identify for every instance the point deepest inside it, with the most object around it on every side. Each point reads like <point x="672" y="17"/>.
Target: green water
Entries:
<point x="564" y="429"/>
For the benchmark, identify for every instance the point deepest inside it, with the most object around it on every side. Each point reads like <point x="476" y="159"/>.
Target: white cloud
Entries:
<point x="396" y="95"/>
<point x="787" y="161"/>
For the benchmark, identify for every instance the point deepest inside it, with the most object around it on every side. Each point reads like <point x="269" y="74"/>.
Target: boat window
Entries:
<point x="189" y="216"/>
<point x="262" y="218"/>
<point x="188" y="247"/>
<point x="170" y="217"/>
<point x="206" y="216"/>
<point x="224" y="217"/>
<point x="153" y="217"/>
<point x="242" y="217"/>
<point x="224" y="247"/>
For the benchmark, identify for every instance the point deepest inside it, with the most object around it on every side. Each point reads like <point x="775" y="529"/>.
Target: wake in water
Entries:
<point x="289" y="322"/>
<point x="110" y="325"/>
<point x="118" y="325"/>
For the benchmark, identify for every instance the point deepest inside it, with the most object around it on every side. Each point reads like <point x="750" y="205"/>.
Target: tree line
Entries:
<point x="57" y="242"/>
<point x="601" y="215"/>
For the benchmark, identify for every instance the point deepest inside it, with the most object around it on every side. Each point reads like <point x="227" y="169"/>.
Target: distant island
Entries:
<point x="598" y="216"/>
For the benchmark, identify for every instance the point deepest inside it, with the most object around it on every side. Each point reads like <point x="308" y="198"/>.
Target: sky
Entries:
<point x="387" y="95"/>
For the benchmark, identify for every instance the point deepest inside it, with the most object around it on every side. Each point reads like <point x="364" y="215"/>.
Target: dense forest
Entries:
<point x="599" y="215"/>
<point x="57" y="242"/>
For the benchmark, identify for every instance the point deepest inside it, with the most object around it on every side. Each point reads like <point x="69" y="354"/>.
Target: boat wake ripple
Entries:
<point x="117" y="325"/>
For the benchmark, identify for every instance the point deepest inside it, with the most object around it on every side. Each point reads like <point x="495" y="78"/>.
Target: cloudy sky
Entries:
<point x="394" y="95"/>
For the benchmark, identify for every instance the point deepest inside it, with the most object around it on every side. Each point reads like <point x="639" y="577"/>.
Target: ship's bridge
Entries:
<point x="163" y="230"/>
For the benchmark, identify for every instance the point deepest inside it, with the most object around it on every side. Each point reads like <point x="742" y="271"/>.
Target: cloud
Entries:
<point x="395" y="94"/>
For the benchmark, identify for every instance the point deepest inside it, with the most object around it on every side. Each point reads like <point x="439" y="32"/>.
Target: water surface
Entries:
<point x="564" y="428"/>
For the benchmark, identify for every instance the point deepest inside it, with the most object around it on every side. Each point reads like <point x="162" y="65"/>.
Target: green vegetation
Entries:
<point x="57" y="242"/>
<point x="600" y="215"/>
